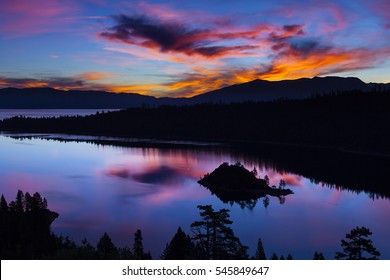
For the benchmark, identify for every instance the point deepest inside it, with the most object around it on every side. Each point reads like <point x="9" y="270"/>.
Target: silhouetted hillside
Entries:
<point x="261" y="90"/>
<point x="355" y="121"/>
<point x="257" y="90"/>
<point x="49" y="98"/>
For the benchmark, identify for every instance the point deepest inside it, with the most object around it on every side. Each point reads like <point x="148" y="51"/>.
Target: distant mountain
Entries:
<point x="49" y="98"/>
<point x="257" y="90"/>
<point x="261" y="90"/>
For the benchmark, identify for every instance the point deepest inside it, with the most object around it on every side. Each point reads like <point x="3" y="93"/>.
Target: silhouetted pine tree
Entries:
<point x="318" y="256"/>
<point x="260" y="254"/>
<point x="214" y="236"/>
<point x="138" y="248"/>
<point x="3" y="204"/>
<point x="105" y="248"/>
<point x="180" y="247"/>
<point x="359" y="247"/>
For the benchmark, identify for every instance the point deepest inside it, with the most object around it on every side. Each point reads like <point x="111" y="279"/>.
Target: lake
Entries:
<point x="118" y="189"/>
<point x="38" y="113"/>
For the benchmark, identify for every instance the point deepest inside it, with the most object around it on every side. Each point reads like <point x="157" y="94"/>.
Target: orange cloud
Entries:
<point x="146" y="89"/>
<point x="291" y="64"/>
<point x="93" y="76"/>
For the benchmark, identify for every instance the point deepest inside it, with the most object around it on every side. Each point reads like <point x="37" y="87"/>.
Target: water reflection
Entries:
<point x="97" y="188"/>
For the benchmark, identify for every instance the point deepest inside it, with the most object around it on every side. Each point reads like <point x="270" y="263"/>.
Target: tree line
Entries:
<point x="25" y="234"/>
<point x="354" y="120"/>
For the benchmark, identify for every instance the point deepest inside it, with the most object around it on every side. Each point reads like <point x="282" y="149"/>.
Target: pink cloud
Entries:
<point x="25" y="18"/>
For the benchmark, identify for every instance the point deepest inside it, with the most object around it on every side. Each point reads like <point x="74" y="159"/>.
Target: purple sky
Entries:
<point x="183" y="48"/>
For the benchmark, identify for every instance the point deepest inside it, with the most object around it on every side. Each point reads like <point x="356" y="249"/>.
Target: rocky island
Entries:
<point x="233" y="182"/>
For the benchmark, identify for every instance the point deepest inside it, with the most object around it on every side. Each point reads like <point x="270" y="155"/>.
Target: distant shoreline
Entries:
<point x="140" y="142"/>
<point x="44" y="113"/>
<point x="351" y="122"/>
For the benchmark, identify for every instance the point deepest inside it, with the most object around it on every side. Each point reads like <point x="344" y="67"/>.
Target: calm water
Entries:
<point x="37" y="113"/>
<point x="117" y="190"/>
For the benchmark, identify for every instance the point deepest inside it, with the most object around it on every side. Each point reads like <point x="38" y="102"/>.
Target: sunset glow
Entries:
<point x="181" y="49"/>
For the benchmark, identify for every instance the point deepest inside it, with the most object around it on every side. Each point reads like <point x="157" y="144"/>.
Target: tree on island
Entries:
<point x="282" y="184"/>
<point x="214" y="236"/>
<point x="266" y="179"/>
<point x="358" y="246"/>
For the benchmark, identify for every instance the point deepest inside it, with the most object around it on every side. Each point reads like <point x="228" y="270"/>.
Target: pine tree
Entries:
<point x="20" y="202"/>
<point x="266" y="179"/>
<point x="274" y="256"/>
<point x="3" y="204"/>
<point x="138" y="248"/>
<point x="359" y="247"/>
<point x="180" y="247"/>
<point x="215" y="238"/>
<point x="29" y="201"/>
<point x="260" y="254"/>
<point x="105" y="247"/>
<point x="318" y="256"/>
<point x="282" y="184"/>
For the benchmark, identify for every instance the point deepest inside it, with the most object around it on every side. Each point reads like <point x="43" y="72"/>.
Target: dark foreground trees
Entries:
<point x="181" y="247"/>
<point x="214" y="236"/>
<point x="25" y="227"/>
<point x="358" y="246"/>
<point x="25" y="234"/>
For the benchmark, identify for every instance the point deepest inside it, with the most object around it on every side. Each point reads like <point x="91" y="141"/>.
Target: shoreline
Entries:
<point x="151" y="142"/>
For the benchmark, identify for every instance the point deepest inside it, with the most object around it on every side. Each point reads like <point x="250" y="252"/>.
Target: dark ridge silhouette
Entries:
<point x="49" y="98"/>
<point x="261" y="90"/>
<point x="352" y="121"/>
<point x="257" y="90"/>
<point x="236" y="183"/>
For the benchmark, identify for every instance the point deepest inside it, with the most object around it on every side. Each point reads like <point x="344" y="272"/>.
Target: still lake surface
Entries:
<point x="118" y="190"/>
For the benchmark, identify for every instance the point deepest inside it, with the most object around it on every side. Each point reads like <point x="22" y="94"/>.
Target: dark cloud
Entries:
<point x="62" y="82"/>
<point x="295" y="29"/>
<point x="171" y="36"/>
<point x="309" y="46"/>
<point x="281" y="41"/>
<point x="288" y="32"/>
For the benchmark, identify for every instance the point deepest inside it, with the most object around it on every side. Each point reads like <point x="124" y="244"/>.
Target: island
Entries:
<point x="233" y="182"/>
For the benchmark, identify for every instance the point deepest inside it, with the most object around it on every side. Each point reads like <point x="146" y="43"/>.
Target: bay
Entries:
<point x="118" y="189"/>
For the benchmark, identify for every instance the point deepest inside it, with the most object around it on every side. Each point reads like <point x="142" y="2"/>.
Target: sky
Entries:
<point x="184" y="48"/>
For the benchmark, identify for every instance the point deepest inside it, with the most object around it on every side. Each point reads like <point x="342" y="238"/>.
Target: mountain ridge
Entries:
<point x="257" y="90"/>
